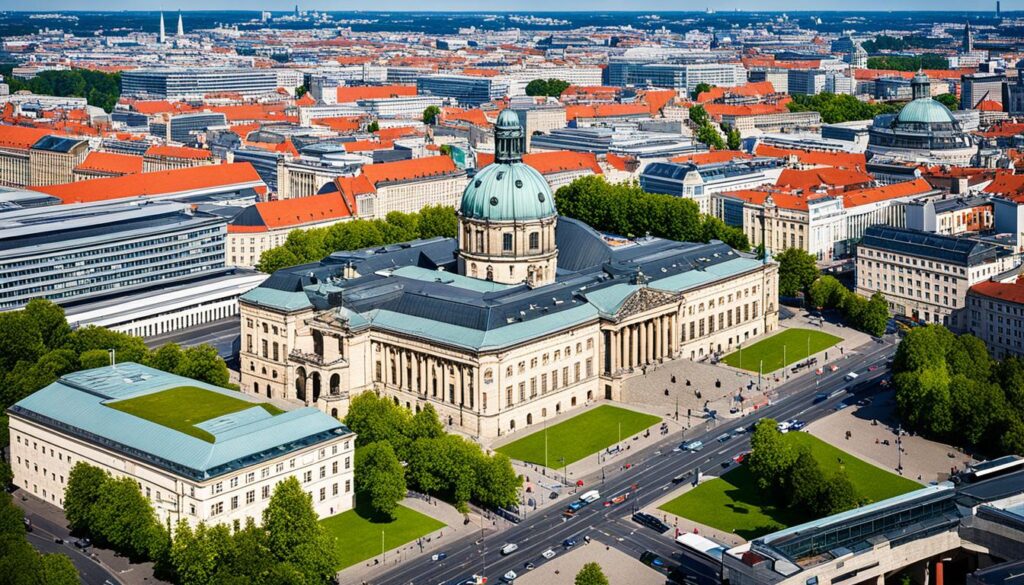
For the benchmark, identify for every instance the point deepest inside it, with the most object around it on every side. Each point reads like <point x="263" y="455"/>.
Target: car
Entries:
<point x="28" y="524"/>
<point x="548" y="554"/>
<point x="739" y="431"/>
<point x="617" y="500"/>
<point x="723" y="437"/>
<point x="741" y="457"/>
<point x="440" y="556"/>
<point x="83" y="543"/>
<point x="553" y="495"/>
<point x="783" y="427"/>
<point x="528" y="566"/>
<point x="570" y="542"/>
<point x="575" y="507"/>
<point x="509" y="577"/>
<point x="692" y="446"/>
<point x="872" y="368"/>
<point x="58" y="540"/>
<point x="682" y="477"/>
<point x="726" y="463"/>
<point x="841" y="406"/>
<point x="796" y="425"/>
<point x="509" y="548"/>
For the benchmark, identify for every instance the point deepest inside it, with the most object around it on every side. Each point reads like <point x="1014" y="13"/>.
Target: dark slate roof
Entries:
<point x="56" y="144"/>
<point x="960" y="251"/>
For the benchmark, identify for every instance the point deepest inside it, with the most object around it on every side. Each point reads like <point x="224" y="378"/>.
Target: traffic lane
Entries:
<point x="783" y="409"/>
<point x="43" y="540"/>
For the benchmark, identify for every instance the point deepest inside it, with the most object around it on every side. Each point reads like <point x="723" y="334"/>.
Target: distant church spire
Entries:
<point x="181" y="28"/>
<point x="163" y="31"/>
<point x="968" y="44"/>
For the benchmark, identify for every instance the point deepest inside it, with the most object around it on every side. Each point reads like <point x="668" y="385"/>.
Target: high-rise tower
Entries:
<point x="163" y="31"/>
<point x="968" y="44"/>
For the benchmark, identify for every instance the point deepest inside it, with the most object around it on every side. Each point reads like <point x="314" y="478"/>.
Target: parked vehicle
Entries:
<point x="796" y="424"/>
<point x="570" y="542"/>
<point x="693" y="446"/>
<point x="783" y="427"/>
<point x="83" y="543"/>
<point x="548" y="554"/>
<point x="651" y="522"/>
<point x="723" y="437"/>
<point x="591" y="496"/>
<point x="509" y="548"/>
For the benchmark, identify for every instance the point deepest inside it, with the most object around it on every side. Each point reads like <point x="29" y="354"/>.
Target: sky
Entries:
<point x="525" y="5"/>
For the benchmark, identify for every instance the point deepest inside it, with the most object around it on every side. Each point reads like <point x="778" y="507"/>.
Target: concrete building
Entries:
<point x="506" y="327"/>
<point x="185" y="128"/>
<point x="753" y="124"/>
<point x="978" y="87"/>
<point x="995" y="314"/>
<point x="181" y="84"/>
<point x="540" y="119"/>
<point x="924" y="276"/>
<point x="165" y="158"/>
<point x="700" y="182"/>
<point x="52" y="160"/>
<point x="15" y="143"/>
<point x="407" y="186"/>
<point x="806" y="81"/>
<point x="226" y="478"/>
<point x="467" y="90"/>
<point x="953" y="216"/>
<point x="683" y="77"/>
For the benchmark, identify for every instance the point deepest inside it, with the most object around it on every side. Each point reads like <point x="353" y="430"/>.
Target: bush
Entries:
<point x="867" y="315"/>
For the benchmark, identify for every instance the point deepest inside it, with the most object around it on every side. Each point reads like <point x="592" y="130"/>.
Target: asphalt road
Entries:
<point x="222" y="334"/>
<point x="651" y="474"/>
<point x="42" y="538"/>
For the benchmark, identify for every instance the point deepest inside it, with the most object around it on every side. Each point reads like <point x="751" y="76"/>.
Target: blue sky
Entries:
<point x="478" y="5"/>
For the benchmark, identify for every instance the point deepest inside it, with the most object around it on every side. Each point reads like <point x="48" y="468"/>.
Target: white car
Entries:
<point x="783" y="427"/>
<point x="509" y="548"/>
<point x="548" y="554"/>
<point x="509" y="577"/>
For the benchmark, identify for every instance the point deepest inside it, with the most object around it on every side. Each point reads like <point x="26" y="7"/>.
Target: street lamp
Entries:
<point x="565" y="468"/>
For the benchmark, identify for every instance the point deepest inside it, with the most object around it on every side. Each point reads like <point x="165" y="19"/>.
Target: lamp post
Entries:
<point x="565" y="468"/>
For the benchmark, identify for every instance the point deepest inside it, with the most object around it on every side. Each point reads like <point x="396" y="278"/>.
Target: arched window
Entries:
<point x="479" y="241"/>
<point x="490" y="273"/>
<point x="318" y="343"/>
<point x="534" y="241"/>
<point x="316" y="386"/>
<point x="335" y="385"/>
<point x="506" y="242"/>
<point x="300" y="384"/>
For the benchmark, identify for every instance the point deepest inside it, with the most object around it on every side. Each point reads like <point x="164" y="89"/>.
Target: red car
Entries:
<point x="741" y="457"/>
<point x="617" y="500"/>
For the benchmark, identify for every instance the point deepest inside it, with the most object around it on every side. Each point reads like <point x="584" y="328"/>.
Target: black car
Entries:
<point x="28" y="524"/>
<point x="83" y="543"/>
<point x="651" y="522"/>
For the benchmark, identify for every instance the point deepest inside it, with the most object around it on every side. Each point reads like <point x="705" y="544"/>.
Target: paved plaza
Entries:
<point x="620" y="568"/>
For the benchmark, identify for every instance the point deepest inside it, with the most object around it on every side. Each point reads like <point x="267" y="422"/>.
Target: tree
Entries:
<point x="806" y="481"/>
<point x="277" y="258"/>
<point x="733" y="138"/>
<point x="838" y="496"/>
<point x="771" y="457"/>
<point x="425" y="424"/>
<point x="700" y="88"/>
<point x="248" y="557"/>
<point x="373" y="126"/>
<point x="438" y="221"/>
<point x="166" y="358"/>
<point x="57" y="569"/>
<point x="430" y="114"/>
<point x="295" y="537"/>
<point x="546" y="87"/>
<point x="20" y="340"/>
<point x="875" y="316"/>
<point x="498" y="484"/>
<point x="48" y="318"/>
<point x="797" y="271"/>
<point x="835" y="108"/>
<point x="709" y="136"/>
<point x="194" y="555"/>
<point x="125" y="519"/>
<point x="128" y="348"/>
<point x="85" y="484"/>
<point x="826" y="292"/>
<point x="949" y="100"/>
<point x="901" y="63"/>
<point x="380" y="479"/>
<point x="203" y="363"/>
<point x="591" y="574"/>
<point x="375" y="419"/>
<point x="445" y="149"/>
<point x="699" y="115"/>
<point x="300" y="91"/>
<point x="12" y="519"/>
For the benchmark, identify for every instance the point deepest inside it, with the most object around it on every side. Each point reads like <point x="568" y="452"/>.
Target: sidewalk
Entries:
<point x="428" y="544"/>
<point x="48" y="520"/>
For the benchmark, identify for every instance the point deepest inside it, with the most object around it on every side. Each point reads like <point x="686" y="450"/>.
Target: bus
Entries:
<point x="704" y="548"/>
<point x="990" y="469"/>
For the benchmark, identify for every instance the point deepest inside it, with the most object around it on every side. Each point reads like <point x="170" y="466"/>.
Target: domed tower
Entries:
<point x="921" y="86"/>
<point x="507" y="216"/>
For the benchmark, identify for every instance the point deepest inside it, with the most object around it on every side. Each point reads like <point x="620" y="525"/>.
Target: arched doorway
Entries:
<point x="335" y="384"/>
<point x="558" y="408"/>
<point x="574" y="401"/>
<point x="529" y="419"/>
<point x="512" y="425"/>
<point x="334" y="412"/>
<point x="300" y="383"/>
<point x="316" y="386"/>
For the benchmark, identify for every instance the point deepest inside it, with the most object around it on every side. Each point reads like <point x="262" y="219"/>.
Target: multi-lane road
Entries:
<point x="649" y="477"/>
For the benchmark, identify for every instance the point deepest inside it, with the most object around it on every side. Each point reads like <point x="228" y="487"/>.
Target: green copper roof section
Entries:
<point x="477" y="340"/>
<point x="451" y="278"/>
<point x="693" y="278"/>
<point x="508" y="192"/>
<point x="609" y="300"/>
<point x="925" y="111"/>
<point x="277" y="299"/>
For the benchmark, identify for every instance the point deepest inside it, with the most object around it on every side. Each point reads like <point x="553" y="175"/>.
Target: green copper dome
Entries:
<point x="507" y="192"/>
<point x="925" y="111"/>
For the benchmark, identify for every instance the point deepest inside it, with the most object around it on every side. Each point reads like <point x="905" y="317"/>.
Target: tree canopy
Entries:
<point x="868" y="315"/>
<point x="797" y="271"/>
<point x="591" y="574"/>
<point x="430" y="114"/>
<point x="546" y="87"/>
<point x="20" y="564"/>
<point x="627" y="210"/>
<point x="98" y="88"/>
<point x="380" y="479"/>
<point x="311" y="245"/>
<point x="835" y="108"/>
<point x="904" y="63"/>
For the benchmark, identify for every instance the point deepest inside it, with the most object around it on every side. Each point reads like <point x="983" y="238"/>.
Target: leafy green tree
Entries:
<point x="835" y="108"/>
<point x="771" y="457"/>
<point x="445" y="149"/>
<point x="166" y="358"/>
<point x="797" y="271"/>
<point x="301" y="91"/>
<point x="12" y="519"/>
<point x="806" y="481"/>
<point x="949" y="100"/>
<point x="425" y="424"/>
<point x="85" y="484"/>
<point x="968" y="356"/>
<point x="430" y="114"/>
<point x="875" y="317"/>
<point x="826" y="292"/>
<point x="125" y="519"/>
<point x="902" y="63"/>
<point x="192" y="555"/>
<point x="380" y="479"/>
<point x="203" y="363"/>
<point x="373" y="126"/>
<point x="128" y="347"/>
<point x="424" y="463"/>
<point x="20" y="339"/>
<point x="438" y="221"/>
<point x="6" y="474"/>
<point x="48" y="318"/>
<point x="591" y="574"/>
<point x="838" y="496"/>
<point x="375" y="418"/>
<point x="498" y="484"/>
<point x="923" y="347"/>
<point x="277" y="258"/>
<point x="57" y="569"/>
<point x="709" y="136"/>
<point x="733" y="138"/>
<point x="295" y="537"/>
<point x="700" y="88"/>
<point x="247" y="558"/>
<point x="100" y="89"/>
<point x="546" y="87"/>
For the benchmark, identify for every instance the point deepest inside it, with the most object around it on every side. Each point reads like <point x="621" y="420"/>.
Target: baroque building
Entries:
<point x="524" y="316"/>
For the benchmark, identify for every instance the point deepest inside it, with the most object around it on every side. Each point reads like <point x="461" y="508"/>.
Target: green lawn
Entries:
<point x="358" y="536"/>
<point x="733" y="503"/>
<point x="792" y="342"/>
<point x="181" y="408"/>
<point x="581" y="435"/>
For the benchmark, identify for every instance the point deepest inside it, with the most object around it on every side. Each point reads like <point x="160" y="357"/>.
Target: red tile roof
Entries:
<point x="405" y="170"/>
<point x="557" y="161"/>
<point x="894" y="191"/>
<point x="248" y="112"/>
<point x="396" y="132"/>
<point x="605" y="111"/>
<point x="756" y="89"/>
<point x="476" y="116"/>
<point x="781" y="199"/>
<point x="348" y="94"/>
<point x="367" y="145"/>
<point x="153" y="184"/>
<point x="165" y="151"/>
<point x="1010" y="186"/>
<point x="288" y="213"/>
<point x="713" y="156"/>
<point x="1012" y="292"/>
<point x="340" y="124"/>
<point x="828" y="177"/>
<point x="843" y="160"/>
<point x="111" y="162"/>
<point x="20" y="137"/>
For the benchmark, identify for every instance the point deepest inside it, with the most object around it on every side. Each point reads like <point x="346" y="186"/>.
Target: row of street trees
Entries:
<point x="835" y="108"/>
<point x="314" y="244"/>
<point x="626" y="209"/>
<point x="290" y="547"/>
<point x="20" y="564"/>
<point x="948" y="387"/>
<point x="793" y="476"/>
<point x="867" y="315"/>
<point x="447" y="466"/>
<point x="38" y="347"/>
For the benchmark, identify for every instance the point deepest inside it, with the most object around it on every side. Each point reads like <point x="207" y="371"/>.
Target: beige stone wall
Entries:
<point x="484" y="255"/>
<point x="14" y="168"/>
<point x="42" y="459"/>
<point x="54" y="168"/>
<point x="412" y="196"/>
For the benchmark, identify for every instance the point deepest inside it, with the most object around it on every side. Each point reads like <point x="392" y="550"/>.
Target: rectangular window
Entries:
<point x="234" y="502"/>
<point x="265" y="492"/>
<point x="250" y="496"/>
